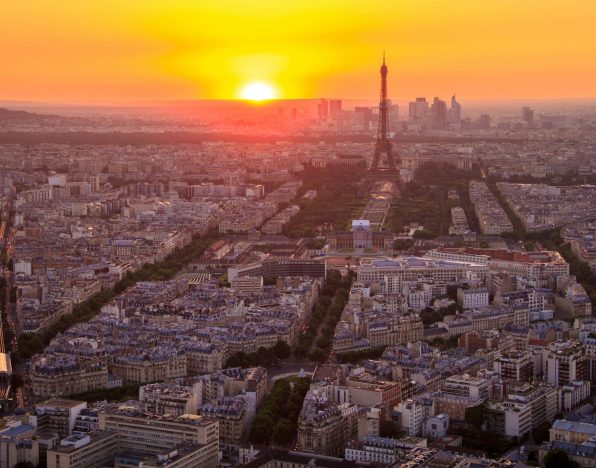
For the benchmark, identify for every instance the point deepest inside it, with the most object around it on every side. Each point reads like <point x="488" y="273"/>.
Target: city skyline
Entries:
<point x="78" y="53"/>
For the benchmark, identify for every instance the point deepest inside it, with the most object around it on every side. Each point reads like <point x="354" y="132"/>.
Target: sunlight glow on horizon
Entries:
<point x="258" y="91"/>
<point x="73" y="51"/>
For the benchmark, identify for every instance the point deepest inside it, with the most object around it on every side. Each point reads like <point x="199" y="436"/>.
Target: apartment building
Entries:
<point x="515" y="365"/>
<point x="392" y="330"/>
<point x="565" y="362"/>
<point x="533" y="265"/>
<point x="60" y="375"/>
<point x="324" y="427"/>
<point x="575" y="432"/>
<point x="152" y="434"/>
<point x="376" y="450"/>
<point x="147" y="368"/>
<point x="57" y="416"/>
<point x="202" y="358"/>
<point x="471" y="298"/>
<point x="92" y="450"/>
<point x="403" y="269"/>
<point x="162" y="398"/>
<point x="572" y="395"/>
<point x="509" y="417"/>
<point x="465" y="385"/>
<point x="543" y="401"/>
<point x="234" y="417"/>
<point x="413" y="414"/>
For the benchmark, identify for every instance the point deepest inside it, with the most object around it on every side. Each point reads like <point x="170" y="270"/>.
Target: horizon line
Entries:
<point x="190" y="101"/>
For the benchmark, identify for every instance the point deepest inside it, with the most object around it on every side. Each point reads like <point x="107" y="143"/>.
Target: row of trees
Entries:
<point x="266" y="357"/>
<point x="316" y="342"/>
<point x="122" y="393"/>
<point x="7" y="330"/>
<point x="172" y="264"/>
<point x="355" y="357"/>
<point x="519" y="231"/>
<point x="336" y="203"/>
<point x="277" y="419"/>
<point x="430" y="315"/>
<point x="445" y="343"/>
<point x="30" y="344"/>
<point x="424" y="199"/>
<point x="567" y="179"/>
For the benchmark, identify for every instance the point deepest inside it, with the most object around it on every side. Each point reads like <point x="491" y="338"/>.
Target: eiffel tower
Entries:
<point x="383" y="145"/>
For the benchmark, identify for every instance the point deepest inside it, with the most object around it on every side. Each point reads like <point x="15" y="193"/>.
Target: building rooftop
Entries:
<point x="136" y="412"/>
<point x="60" y="403"/>
<point x="574" y="426"/>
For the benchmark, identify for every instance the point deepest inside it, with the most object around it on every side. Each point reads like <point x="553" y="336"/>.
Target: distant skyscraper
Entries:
<point x="528" y="115"/>
<point x="393" y="110"/>
<point x="323" y="109"/>
<point x="334" y="108"/>
<point x="418" y="110"/>
<point x="484" y="122"/>
<point x="455" y="112"/>
<point x="363" y="117"/>
<point x="439" y="114"/>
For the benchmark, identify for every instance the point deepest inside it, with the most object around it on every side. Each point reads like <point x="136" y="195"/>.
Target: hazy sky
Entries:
<point x="106" y="50"/>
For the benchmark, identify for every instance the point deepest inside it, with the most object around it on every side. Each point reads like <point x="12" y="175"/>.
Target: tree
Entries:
<point x="282" y="350"/>
<point x="424" y="234"/>
<point x="389" y="429"/>
<point x="269" y="281"/>
<point x="323" y="342"/>
<point x="283" y="432"/>
<point x="357" y="356"/>
<point x="261" y="429"/>
<point x="475" y="416"/>
<point x="315" y="244"/>
<point x="24" y="465"/>
<point x="276" y="417"/>
<point x="541" y="433"/>
<point x="29" y="344"/>
<point x="264" y="356"/>
<point x="403" y="244"/>
<point x="16" y="380"/>
<point x="490" y="442"/>
<point x="318" y="355"/>
<point x="533" y="456"/>
<point x="559" y="459"/>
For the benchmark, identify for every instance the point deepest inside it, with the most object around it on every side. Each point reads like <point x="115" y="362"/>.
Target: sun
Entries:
<point x="258" y="91"/>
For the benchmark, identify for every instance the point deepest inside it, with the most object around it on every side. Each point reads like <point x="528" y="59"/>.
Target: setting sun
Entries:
<point x="258" y="92"/>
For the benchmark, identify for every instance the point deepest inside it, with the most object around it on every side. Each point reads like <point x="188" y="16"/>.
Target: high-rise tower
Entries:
<point x="383" y="145"/>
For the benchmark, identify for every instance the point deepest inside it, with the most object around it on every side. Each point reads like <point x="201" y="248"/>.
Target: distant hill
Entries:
<point x="7" y="114"/>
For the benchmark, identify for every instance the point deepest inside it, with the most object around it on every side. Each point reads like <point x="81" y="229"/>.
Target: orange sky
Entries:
<point x="115" y="50"/>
